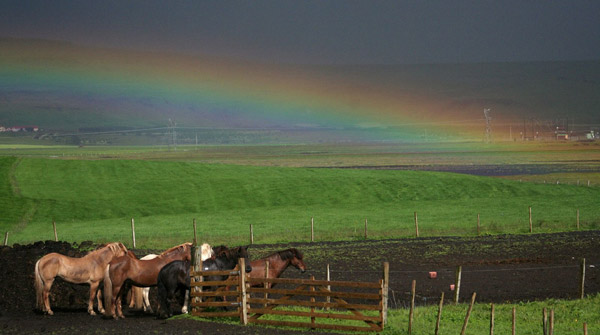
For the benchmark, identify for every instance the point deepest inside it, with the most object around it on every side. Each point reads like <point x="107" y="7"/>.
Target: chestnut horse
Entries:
<point x="143" y="293"/>
<point x="88" y="269"/>
<point x="143" y="273"/>
<point x="278" y="262"/>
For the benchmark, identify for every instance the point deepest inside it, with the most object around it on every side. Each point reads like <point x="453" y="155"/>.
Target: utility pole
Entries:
<point x="173" y="134"/>
<point x="488" y="125"/>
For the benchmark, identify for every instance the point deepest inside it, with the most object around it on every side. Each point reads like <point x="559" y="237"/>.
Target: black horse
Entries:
<point x="175" y="277"/>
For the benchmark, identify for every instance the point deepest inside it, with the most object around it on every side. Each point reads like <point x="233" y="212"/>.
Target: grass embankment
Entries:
<point x="95" y="200"/>
<point x="569" y="317"/>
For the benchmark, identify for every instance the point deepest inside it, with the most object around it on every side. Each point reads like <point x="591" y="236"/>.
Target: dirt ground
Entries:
<point x="503" y="268"/>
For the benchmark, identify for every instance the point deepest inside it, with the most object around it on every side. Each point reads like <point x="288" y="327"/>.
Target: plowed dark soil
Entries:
<point x="505" y="268"/>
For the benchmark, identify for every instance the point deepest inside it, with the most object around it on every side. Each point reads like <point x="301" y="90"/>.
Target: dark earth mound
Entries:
<point x="503" y="268"/>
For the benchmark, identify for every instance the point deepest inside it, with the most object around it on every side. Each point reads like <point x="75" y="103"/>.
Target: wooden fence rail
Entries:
<point x="315" y="300"/>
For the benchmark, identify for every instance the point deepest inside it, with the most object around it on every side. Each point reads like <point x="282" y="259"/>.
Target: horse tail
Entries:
<point x="108" y="292"/>
<point x="39" y="286"/>
<point x="163" y="310"/>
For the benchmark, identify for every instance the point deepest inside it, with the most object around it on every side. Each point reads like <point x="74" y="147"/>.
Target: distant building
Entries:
<point x="16" y="129"/>
<point x="586" y="135"/>
<point x="561" y="134"/>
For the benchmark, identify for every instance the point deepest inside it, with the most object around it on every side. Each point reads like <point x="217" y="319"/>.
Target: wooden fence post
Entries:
<point x="530" y="221"/>
<point x="545" y="321"/>
<point x="366" y="229"/>
<point x="492" y="319"/>
<point x="312" y="308"/>
<point x="195" y="234"/>
<point x="6" y="238"/>
<point x="457" y="284"/>
<point x="196" y="267"/>
<point x="251" y="234"/>
<point x="551" y="330"/>
<point x="464" y="328"/>
<point x="416" y="224"/>
<point x="478" y="226"/>
<point x="328" y="298"/>
<point x="412" y="306"/>
<point x="133" y="232"/>
<point x="577" y="218"/>
<point x="582" y="281"/>
<point x="55" y="234"/>
<point x="439" y="314"/>
<point x="514" y="321"/>
<point x="312" y="229"/>
<point x="243" y="297"/>
<point x="384" y="296"/>
<point x="585" y="332"/>
<point x="266" y="283"/>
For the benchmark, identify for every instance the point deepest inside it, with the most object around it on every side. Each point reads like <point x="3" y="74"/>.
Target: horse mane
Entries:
<point x="289" y="254"/>
<point x="114" y="247"/>
<point x="178" y="248"/>
<point x="229" y="253"/>
<point x="130" y="254"/>
<point x="218" y="250"/>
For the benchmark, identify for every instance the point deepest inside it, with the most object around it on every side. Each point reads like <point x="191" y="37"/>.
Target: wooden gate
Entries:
<point x="255" y="301"/>
<point x="224" y="299"/>
<point x="320" y="299"/>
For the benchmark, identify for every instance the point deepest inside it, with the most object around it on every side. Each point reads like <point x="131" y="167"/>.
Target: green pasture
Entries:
<point x="95" y="199"/>
<point x="569" y="317"/>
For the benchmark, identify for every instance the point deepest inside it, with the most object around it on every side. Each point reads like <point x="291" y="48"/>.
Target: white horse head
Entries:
<point x="206" y="251"/>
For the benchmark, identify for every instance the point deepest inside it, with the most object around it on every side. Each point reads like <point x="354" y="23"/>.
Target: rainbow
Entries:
<point x="211" y="92"/>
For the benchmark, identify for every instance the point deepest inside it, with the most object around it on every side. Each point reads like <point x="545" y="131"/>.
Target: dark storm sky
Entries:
<point x="321" y="31"/>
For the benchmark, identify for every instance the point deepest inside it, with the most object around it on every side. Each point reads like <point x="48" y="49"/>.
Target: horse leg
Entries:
<point x="115" y="300"/>
<point x="132" y="297"/>
<point x="120" y="302"/>
<point x="125" y="288"/>
<point x="186" y="301"/>
<point x="99" y="298"/>
<point x="146" y="301"/>
<point x="164" y="307"/>
<point x="93" y="291"/>
<point x="46" y="294"/>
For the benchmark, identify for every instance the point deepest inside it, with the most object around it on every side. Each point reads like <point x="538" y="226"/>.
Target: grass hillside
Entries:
<point x="96" y="199"/>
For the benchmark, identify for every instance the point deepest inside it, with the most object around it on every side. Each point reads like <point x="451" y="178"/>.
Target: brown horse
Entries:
<point x="142" y="294"/>
<point x="278" y="262"/>
<point x="88" y="269"/>
<point x="143" y="273"/>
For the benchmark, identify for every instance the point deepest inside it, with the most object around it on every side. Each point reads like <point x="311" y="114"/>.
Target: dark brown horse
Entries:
<point x="278" y="262"/>
<point x="175" y="276"/>
<point x="143" y="273"/>
<point x="88" y="269"/>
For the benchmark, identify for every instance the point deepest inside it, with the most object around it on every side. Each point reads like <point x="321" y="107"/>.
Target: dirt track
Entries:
<point x="505" y="268"/>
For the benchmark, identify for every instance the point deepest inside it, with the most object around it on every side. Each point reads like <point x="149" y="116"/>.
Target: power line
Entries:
<point x="111" y="132"/>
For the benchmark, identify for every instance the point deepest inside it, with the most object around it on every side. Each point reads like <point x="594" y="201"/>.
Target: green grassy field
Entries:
<point x="95" y="199"/>
<point x="93" y="192"/>
<point x="569" y="317"/>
